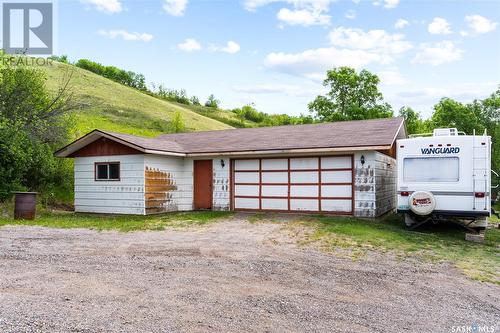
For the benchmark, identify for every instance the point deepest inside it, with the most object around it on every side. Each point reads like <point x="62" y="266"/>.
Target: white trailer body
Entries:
<point x="445" y="175"/>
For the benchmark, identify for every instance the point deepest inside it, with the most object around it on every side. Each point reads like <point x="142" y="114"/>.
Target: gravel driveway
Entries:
<point x="229" y="276"/>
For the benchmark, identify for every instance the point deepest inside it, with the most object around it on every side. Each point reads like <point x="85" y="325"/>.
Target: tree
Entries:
<point x="212" y="102"/>
<point x="413" y="120"/>
<point x="177" y="123"/>
<point x="450" y="113"/>
<point x="33" y="122"/>
<point x="478" y="116"/>
<point x="194" y="100"/>
<point x="352" y="96"/>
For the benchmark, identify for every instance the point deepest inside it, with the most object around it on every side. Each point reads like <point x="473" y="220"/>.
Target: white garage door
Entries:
<point x="312" y="184"/>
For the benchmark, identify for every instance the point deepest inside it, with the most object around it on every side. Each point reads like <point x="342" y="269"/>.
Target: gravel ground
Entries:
<point x="229" y="276"/>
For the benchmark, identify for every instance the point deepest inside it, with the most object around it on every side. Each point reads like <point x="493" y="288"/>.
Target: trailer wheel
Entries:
<point x="409" y="220"/>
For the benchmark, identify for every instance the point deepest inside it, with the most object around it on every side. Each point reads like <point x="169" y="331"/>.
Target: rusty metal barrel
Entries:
<point x="25" y="205"/>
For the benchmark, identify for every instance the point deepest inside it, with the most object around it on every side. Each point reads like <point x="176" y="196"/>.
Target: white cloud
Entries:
<point x="438" y="53"/>
<point x="125" y="35"/>
<point x="391" y="3"/>
<point x="391" y="78"/>
<point x="310" y="62"/>
<point x="350" y="47"/>
<point x="252" y="5"/>
<point x="350" y="14"/>
<point x="303" y="17"/>
<point x="303" y="12"/>
<point x="480" y="24"/>
<point x="175" y="7"/>
<point x="378" y="40"/>
<point x="106" y="6"/>
<point x="231" y="48"/>
<point x="423" y="98"/>
<point x="387" y="3"/>
<point x="319" y="77"/>
<point x="287" y="89"/>
<point x="401" y="23"/>
<point x="189" y="45"/>
<point x="439" y="26"/>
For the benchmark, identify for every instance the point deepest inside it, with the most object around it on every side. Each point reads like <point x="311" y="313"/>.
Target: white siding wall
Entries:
<point x="364" y="184"/>
<point x="125" y="196"/>
<point x="179" y="172"/>
<point x="375" y="184"/>
<point x="221" y="184"/>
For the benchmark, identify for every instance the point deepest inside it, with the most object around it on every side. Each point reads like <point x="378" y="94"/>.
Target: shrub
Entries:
<point x="212" y="102"/>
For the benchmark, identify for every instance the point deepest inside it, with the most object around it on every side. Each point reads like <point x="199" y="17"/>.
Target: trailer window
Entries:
<point x="431" y="169"/>
<point x="107" y="171"/>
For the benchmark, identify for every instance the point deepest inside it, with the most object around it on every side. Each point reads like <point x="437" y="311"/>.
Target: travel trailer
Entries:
<point x="446" y="176"/>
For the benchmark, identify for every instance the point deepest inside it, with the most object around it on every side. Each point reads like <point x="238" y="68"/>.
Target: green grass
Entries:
<point x="123" y="223"/>
<point x="495" y="218"/>
<point x="108" y="105"/>
<point x="355" y="238"/>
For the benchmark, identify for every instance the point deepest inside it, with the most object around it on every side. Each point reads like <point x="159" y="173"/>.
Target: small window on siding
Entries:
<point x="107" y="171"/>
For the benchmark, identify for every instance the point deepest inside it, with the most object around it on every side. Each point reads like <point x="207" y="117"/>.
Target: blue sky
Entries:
<point x="275" y="53"/>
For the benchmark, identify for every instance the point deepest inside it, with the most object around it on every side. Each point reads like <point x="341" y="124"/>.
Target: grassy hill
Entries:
<point x="108" y="105"/>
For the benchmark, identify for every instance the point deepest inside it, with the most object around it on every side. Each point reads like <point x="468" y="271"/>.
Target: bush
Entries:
<point x="63" y="59"/>
<point x="212" y="102"/>
<point x="177" y="123"/>
<point x="128" y="78"/>
<point x="195" y="101"/>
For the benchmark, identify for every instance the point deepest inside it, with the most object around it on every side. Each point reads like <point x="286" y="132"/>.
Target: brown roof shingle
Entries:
<point x="360" y="133"/>
<point x="376" y="132"/>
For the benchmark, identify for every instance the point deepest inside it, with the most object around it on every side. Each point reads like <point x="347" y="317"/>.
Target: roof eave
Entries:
<point x="290" y="151"/>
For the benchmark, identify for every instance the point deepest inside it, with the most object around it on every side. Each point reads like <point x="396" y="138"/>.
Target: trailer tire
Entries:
<point x="409" y="220"/>
<point x="422" y="203"/>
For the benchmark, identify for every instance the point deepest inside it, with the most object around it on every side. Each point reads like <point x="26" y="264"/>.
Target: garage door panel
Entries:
<point x="336" y="191"/>
<point x="336" y="206"/>
<point x="303" y="163"/>
<point x="295" y="184"/>
<point x="310" y="177"/>
<point x="304" y="204"/>
<point x="337" y="162"/>
<point x="304" y="191"/>
<point x="246" y="177"/>
<point x="275" y="177"/>
<point x="336" y="176"/>
<point x="275" y="204"/>
<point x="247" y="190"/>
<point x="275" y="190"/>
<point x="275" y="164"/>
<point x="246" y="203"/>
<point x="246" y="165"/>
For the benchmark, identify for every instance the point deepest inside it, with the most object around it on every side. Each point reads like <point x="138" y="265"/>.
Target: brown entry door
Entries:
<point x="203" y="184"/>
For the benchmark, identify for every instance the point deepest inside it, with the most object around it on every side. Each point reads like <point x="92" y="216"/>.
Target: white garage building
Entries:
<point x="343" y="168"/>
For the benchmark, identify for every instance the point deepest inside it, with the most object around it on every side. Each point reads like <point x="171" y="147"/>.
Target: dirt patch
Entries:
<point x="228" y="276"/>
